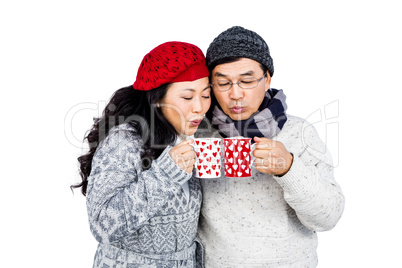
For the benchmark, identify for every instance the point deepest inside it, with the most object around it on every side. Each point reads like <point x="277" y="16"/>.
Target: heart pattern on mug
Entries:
<point x="208" y="158"/>
<point x="237" y="157"/>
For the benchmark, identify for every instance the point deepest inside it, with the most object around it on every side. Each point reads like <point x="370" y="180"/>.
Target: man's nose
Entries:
<point x="236" y="92"/>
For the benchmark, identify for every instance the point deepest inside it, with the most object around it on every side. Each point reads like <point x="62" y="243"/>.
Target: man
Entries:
<point x="271" y="218"/>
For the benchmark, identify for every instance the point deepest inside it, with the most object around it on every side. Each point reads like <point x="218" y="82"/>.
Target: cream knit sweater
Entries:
<point x="269" y="221"/>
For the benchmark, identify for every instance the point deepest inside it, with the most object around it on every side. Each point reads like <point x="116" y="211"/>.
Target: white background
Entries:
<point x="60" y="60"/>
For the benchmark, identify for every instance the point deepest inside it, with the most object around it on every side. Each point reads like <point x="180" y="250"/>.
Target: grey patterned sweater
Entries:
<point x="141" y="218"/>
<point x="269" y="221"/>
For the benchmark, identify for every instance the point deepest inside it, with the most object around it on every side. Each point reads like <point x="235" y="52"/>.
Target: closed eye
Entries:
<point x="222" y="84"/>
<point x="247" y="81"/>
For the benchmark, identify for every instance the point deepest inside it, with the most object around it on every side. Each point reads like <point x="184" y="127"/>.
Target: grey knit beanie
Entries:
<point x="239" y="42"/>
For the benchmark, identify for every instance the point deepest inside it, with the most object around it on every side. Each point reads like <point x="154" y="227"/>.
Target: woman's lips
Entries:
<point x="195" y="123"/>
<point x="237" y="109"/>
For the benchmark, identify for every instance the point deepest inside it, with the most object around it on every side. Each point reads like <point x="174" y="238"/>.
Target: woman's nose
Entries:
<point x="197" y="105"/>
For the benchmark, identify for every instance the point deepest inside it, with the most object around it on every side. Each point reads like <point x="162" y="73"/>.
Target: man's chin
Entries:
<point x="239" y="116"/>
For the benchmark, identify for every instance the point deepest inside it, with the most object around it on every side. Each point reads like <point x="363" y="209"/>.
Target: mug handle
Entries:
<point x="192" y="144"/>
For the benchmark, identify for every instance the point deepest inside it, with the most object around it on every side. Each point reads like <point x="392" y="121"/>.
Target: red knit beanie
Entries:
<point x="171" y="62"/>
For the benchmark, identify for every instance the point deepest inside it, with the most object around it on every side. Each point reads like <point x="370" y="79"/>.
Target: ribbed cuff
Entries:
<point x="296" y="180"/>
<point x="172" y="170"/>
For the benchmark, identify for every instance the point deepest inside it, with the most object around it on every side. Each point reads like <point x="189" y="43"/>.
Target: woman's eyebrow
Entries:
<point x="193" y="90"/>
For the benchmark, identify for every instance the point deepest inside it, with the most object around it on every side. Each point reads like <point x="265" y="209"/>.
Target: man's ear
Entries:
<point x="267" y="81"/>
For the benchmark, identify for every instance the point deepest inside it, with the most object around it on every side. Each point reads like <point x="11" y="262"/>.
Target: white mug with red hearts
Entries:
<point x="238" y="157"/>
<point x="208" y="157"/>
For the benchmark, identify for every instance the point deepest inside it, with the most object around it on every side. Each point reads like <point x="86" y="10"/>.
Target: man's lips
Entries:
<point x="237" y="109"/>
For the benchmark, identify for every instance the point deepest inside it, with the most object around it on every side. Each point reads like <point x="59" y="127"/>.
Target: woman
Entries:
<point x="143" y="203"/>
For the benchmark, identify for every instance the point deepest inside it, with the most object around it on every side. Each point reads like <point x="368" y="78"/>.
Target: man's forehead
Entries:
<point x="242" y="67"/>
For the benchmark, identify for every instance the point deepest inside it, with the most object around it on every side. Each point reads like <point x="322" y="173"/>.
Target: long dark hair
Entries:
<point x="136" y="108"/>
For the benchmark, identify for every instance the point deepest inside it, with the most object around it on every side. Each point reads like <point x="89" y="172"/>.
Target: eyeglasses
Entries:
<point x="245" y="83"/>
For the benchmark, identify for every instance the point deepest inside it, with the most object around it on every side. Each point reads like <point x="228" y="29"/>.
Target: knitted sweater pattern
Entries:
<point x="135" y="213"/>
<point x="270" y="221"/>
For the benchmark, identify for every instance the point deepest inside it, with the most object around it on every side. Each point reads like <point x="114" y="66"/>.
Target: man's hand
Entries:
<point x="183" y="155"/>
<point x="272" y="157"/>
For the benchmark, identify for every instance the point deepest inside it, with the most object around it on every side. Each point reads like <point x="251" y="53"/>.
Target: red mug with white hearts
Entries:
<point x="238" y="157"/>
<point x="208" y="157"/>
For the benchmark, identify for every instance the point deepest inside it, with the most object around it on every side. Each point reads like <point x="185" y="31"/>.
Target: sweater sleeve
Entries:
<point x="120" y="196"/>
<point x="309" y="186"/>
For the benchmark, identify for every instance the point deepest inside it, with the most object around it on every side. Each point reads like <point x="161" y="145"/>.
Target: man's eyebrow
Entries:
<point x="247" y="73"/>
<point x="218" y="74"/>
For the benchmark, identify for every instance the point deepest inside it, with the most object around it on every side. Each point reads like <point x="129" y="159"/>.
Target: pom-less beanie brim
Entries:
<point x="239" y="42"/>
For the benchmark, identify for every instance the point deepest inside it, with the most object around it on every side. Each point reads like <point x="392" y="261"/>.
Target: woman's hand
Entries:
<point x="183" y="155"/>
